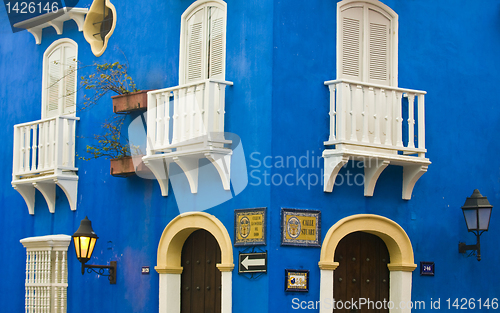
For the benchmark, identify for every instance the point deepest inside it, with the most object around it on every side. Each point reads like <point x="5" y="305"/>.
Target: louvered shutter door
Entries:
<point x="378" y="48"/>
<point x="351" y="39"/>
<point x="53" y="84"/>
<point x="196" y="47"/>
<point x="217" y="29"/>
<point x="69" y="92"/>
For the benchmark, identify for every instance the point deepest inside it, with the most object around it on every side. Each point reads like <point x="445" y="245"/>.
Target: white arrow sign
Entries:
<point x="252" y="262"/>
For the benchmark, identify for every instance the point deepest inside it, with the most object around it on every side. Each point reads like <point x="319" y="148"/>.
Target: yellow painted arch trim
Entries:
<point x="178" y="230"/>
<point x="393" y="235"/>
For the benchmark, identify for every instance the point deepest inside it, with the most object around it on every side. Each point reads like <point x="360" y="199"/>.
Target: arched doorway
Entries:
<point x="362" y="273"/>
<point x="200" y="278"/>
<point x="398" y="245"/>
<point x="169" y="264"/>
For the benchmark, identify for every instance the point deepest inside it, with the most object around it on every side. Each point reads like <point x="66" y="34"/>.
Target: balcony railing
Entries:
<point x="181" y="114"/>
<point x="371" y="116"/>
<point x="379" y="125"/>
<point x="186" y="123"/>
<point x="44" y="146"/>
<point x="44" y="156"/>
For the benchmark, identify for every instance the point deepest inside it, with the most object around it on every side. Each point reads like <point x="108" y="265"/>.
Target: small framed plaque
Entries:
<point x="300" y="227"/>
<point x="427" y="268"/>
<point x="250" y="227"/>
<point x="297" y="280"/>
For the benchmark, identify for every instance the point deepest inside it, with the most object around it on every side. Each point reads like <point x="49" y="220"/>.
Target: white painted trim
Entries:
<point x="326" y="291"/>
<point x="400" y="290"/>
<point x="55" y="45"/>
<point x="226" y="292"/>
<point x="170" y="293"/>
<point x="182" y="53"/>
<point x="46" y="279"/>
<point x="40" y="242"/>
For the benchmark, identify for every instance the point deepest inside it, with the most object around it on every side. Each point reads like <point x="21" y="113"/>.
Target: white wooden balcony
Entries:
<point x="44" y="156"/>
<point x="379" y="125"/>
<point x="186" y="123"/>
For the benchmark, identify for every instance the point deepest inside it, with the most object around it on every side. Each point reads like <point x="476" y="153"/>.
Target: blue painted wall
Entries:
<point x="278" y="55"/>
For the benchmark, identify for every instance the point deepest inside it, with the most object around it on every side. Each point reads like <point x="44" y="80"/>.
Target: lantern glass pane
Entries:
<point x="76" y="240"/>
<point x="470" y="219"/>
<point x="91" y="248"/>
<point x="85" y="244"/>
<point x="484" y="218"/>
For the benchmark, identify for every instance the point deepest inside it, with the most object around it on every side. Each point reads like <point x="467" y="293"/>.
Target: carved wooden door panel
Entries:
<point x="362" y="274"/>
<point x="200" y="279"/>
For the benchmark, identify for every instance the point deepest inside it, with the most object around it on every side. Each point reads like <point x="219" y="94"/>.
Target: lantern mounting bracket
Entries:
<point x="99" y="270"/>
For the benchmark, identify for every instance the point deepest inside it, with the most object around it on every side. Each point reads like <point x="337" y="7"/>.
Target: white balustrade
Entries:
<point x="46" y="274"/>
<point x="370" y="116"/>
<point x="44" y="146"/>
<point x="180" y="114"/>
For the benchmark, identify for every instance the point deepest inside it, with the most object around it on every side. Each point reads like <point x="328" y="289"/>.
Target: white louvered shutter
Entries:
<point x="69" y="92"/>
<point x="54" y="84"/>
<point x="196" y="46"/>
<point x="351" y="39"/>
<point x="217" y="34"/>
<point x="378" y="48"/>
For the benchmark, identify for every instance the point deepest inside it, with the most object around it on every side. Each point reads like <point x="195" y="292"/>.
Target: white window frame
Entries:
<point x="387" y="12"/>
<point x="46" y="281"/>
<point x="200" y="4"/>
<point x="60" y="43"/>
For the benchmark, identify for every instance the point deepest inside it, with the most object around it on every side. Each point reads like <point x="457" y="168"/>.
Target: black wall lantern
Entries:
<point x="84" y="239"/>
<point x="477" y="213"/>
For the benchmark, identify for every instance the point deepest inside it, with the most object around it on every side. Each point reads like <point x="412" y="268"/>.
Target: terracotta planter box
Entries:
<point x="130" y="102"/>
<point x="124" y="167"/>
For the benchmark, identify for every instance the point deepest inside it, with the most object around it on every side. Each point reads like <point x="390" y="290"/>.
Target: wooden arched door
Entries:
<point x="200" y="279"/>
<point x="362" y="274"/>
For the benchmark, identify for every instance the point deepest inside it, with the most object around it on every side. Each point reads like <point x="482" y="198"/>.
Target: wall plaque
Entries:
<point x="427" y="268"/>
<point x="250" y="227"/>
<point x="300" y="227"/>
<point x="296" y="280"/>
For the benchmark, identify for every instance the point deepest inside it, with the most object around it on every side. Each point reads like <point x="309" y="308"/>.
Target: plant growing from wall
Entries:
<point x="110" y="144"/>
<point x="104" y="78"/>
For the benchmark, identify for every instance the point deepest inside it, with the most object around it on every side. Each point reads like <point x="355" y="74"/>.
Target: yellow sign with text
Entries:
<point x="250" y="227"/>
<point x="300" y="227"/>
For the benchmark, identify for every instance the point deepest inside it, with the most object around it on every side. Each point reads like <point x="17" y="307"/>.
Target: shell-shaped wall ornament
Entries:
<point x="99" y="25"/>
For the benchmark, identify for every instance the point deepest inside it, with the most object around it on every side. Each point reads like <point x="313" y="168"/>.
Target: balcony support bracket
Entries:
<point x="70" y="187"/>
<point x="48" y="191"/>
<point x="373" y="169"/>
<point x="189" y="166"/>
<point x="67" y="181"/>
<point x="411" y="173"/>
<point x="188" y="161"/>
<point x="333" y="164"/>
<point x="159" y="168"/>
<point x="28" y="193"/>
<point x="222" y="163"/>
<point x="374" y="165"/>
